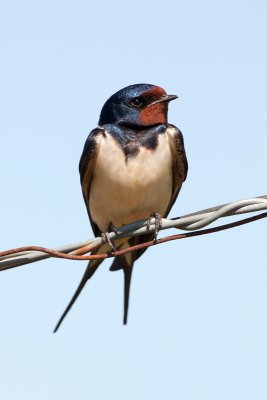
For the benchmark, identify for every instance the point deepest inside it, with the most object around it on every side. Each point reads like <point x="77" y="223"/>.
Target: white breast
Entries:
<point x="124" y="191"/>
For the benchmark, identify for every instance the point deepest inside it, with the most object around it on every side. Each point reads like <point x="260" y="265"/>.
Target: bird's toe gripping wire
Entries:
<point x="106" y="238"/>
<point x="158" y="223"/>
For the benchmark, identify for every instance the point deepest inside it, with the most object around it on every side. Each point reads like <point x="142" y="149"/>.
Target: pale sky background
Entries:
<point x="198" y="309"/>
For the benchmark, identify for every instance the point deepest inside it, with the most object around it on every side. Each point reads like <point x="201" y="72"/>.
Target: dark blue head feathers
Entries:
<point x="138" y="106"/>
<point x="117" y="106"/>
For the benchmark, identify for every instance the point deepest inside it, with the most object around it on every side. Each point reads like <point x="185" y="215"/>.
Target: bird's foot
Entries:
<point x="158" y="223"/>
<point x="106" y="238"/>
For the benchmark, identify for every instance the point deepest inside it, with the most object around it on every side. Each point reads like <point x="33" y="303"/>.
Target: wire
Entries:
<point x="190" y="222"/>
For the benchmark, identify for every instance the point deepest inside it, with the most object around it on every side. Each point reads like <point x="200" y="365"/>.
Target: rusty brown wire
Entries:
<point x="57" y="254"/>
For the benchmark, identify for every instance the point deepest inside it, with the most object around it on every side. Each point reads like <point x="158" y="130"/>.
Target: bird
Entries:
<point x="132" y="168"/>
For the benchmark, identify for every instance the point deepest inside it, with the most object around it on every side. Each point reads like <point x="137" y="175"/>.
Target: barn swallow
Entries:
<point x="132" y="167"/>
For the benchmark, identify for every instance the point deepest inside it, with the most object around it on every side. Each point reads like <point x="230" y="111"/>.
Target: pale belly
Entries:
<point x="122" y="192"/>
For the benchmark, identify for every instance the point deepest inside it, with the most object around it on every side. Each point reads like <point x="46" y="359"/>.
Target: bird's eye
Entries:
<point x="137" y="102"/>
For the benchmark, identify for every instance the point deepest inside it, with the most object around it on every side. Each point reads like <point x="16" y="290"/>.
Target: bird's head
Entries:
<point x="139" y="105"/>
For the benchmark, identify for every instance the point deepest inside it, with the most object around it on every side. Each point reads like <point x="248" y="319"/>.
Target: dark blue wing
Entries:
<point x="86" y="168"/>
<point x="179" y="164"/>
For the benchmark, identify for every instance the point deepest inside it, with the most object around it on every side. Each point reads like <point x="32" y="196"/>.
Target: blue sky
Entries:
<point x="198" y="322"/>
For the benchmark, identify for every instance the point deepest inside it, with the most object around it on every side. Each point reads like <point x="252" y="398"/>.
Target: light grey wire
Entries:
<point x="188" y="222"/>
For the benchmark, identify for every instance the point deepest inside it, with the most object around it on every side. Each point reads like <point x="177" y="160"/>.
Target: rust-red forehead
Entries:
<point x="155" y="91"/>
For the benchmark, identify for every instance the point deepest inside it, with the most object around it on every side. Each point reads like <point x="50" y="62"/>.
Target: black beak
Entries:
<point x="166" y="97"/>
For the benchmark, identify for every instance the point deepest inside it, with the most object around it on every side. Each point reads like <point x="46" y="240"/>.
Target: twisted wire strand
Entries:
<point x="190" y="222"/>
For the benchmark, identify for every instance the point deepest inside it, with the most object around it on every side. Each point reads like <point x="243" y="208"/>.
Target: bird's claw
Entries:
<point x="158" y="223"/>
<point x="106" y="238"/>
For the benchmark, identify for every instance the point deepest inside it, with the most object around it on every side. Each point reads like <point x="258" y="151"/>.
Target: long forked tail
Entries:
<point x="127" y="283"/>
<point x="89" y="272"/>
<point x="124" y="262"/>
